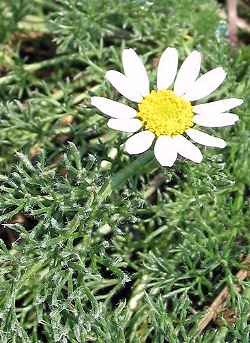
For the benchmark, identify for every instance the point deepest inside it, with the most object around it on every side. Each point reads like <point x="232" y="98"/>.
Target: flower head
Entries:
<point x="167" y="116"/>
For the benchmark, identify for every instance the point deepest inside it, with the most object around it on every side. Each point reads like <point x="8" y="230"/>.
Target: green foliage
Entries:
<point x="93" y="247"/>
<point x="87" y="24"/>
<point x="11" y="12"/>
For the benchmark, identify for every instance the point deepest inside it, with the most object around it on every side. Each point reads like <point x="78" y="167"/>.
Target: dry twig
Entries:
<point x="219" y="301"/>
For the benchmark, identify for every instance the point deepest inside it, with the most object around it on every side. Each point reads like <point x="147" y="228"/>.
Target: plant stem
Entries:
<point x="232" y="21"/>
<point x="217" y="305"/>
<point x="138" y="166"/>
<point x="39" y="65"/>
<point x="137" y="295"/>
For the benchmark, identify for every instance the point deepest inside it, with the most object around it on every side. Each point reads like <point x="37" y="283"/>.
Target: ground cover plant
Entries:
<point x="97" y="245"/>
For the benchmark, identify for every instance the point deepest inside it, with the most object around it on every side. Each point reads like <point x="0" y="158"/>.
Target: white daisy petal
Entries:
<point x="219" y="106"/>
<point x="205" y="139"/>
<point x="126" y="125"/>
<point x="188" y="73"/>
<point x="165" y="151"/>
<point x="187" y="149"/>
<point x="206" y="84"/>
<point x="216" y="120"/>
<point x="167" y="68"/>
<point x="139" y="142"/>
<point x="112" y="108"/>
<point x="123" y="85"/>
<point x="135" y="71"/>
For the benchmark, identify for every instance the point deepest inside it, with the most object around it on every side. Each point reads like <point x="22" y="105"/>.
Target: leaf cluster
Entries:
<point x="93" y="247"/>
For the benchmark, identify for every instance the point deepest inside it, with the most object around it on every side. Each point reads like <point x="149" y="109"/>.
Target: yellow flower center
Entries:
<point x="164" y="113"/>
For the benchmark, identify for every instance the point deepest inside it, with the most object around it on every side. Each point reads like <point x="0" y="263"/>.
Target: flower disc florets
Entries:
<point x="164" y="113"/>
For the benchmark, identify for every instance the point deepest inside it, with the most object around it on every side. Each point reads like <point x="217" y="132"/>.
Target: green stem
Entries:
<point x="221" y="335"/>
<point x="140" y="165"/>
<point x="39" y="65"/>
<point x="137" y="295"/>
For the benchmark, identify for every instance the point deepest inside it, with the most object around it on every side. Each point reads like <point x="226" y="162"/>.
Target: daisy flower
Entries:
<point x="167" y="116"/>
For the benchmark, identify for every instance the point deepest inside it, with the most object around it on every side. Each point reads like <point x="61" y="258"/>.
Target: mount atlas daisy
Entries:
<point x="167" y="116"/>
